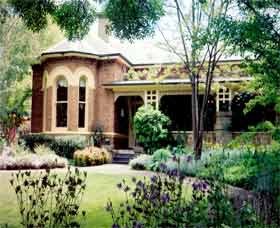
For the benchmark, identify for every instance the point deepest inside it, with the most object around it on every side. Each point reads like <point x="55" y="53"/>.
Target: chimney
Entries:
<point x="102" y="32"/>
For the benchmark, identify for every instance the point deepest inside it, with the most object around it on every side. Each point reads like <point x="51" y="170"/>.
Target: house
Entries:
<point x="80" y="85"/>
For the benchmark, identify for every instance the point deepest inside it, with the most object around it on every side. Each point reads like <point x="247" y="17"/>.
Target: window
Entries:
<point x="224" y="97"/>
<point x="82" y="102"/>
<point x="152" y="98"/>
<point x="61" y="103"/>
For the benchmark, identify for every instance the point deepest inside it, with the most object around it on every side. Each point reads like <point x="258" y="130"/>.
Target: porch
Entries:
<point x="225" y="118"/>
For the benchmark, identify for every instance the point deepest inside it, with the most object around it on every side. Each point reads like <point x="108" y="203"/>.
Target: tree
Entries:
<point x="36" y="14"/>
<point x="199" y="28"/>
<point x="19" y="49"/>
<point x="256" y="36"/>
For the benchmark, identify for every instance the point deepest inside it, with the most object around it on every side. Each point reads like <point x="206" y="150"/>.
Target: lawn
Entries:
<point x="100" y="187"/>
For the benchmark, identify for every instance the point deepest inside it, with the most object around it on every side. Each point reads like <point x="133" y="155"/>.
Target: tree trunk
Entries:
<point x="196" y="122"/>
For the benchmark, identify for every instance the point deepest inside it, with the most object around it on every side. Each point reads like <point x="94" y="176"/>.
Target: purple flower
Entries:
<point x="200" y="186"/>
<point x="165" y="198"/>
<point x="174" y="173"/>
<point x="115" y="226"/>
<point x="204" y="185"/>
<point x="137" y="225"/>
<point x="140" y="184"/>
<point x="162" y="167"/>
<point x="154" y="179"/>
<point x="189" y="158"/>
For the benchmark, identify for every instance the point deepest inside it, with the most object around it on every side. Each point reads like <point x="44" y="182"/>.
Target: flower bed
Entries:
<point x="32" y="161"/>
<point x="20" y="158"/>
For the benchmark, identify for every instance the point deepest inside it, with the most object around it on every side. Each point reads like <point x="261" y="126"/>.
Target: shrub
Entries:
<point x="98" y="138"/>
<point x="262" y="127"/>
<point x="162" y="202"/>
<point x="160" y="156"/>
<point x="2" y="143"/>
<point x="64" y="146"/>
<point x="150" y="127"/>
<point x="49" y="200"/>
<point x="142" y="162"/>
<point x="91" y="156"/>
<point x="31" y="140"/>
<point x="43" y="150"/>
<point x="32" y="161"/>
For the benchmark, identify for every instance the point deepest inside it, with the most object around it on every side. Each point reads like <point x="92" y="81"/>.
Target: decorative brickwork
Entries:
<point x="73" y="108"/>
<point x="37" y="100"/>
<point x="49" y="108"/>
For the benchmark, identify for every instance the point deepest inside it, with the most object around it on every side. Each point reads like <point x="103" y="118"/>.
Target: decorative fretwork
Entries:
<point x="224" y="99"/>
<point x="151" y="98"/>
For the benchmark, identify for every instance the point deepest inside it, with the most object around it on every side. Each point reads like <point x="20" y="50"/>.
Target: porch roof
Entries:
<point x="114" y="84"/>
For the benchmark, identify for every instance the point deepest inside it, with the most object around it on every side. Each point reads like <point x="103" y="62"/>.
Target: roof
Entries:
<point x="171" y="81"/>
<point x="138" y="53"/>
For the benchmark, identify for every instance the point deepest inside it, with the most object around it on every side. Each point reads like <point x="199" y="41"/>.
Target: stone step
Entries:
<point x="122" y="156"/>
<point x="128" y="156"/>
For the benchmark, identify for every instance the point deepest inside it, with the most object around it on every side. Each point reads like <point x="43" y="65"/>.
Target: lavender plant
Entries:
<point x="161" y="201"/>
<point x="49" y="200"/>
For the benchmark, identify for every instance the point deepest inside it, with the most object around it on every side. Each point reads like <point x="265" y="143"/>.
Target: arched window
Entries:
<point x="82" y="102"/>
<point x="61" y="103"/>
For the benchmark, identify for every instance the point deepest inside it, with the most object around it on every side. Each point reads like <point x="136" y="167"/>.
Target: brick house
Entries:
<point x="83" y="84"/>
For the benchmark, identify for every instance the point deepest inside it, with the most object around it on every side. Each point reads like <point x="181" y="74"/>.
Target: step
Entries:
<point x="123" y="151"/>
<point x="128" y="156"/>
<point x="125" y="162"/>
<point x="122" y="156"/>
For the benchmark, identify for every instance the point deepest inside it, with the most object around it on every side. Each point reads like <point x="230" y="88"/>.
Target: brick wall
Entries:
<point x="37" y="100"/>
<point x="73" y="102"/>
<point x="100" y="104"/>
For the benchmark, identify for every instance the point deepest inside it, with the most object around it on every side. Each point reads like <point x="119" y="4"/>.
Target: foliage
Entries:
<point x="19" y="49"/>
<point x="265" y="126"/>
<point x="42" y="150"/>
<point x="35" y="15"/>
<point x="9" y="123"/>
<point x="48" y="200"/>
<point x="180" y="150"/>
<point x="134" y="19"/>
<point x="150" y="127"/>
<point x="98" y="138"/>
<point x="160" y="156"/>
<point x="91" y="156"/>
<point x="64" y="146"/>
<point x="161" y="202"/>
<point x="31" y="141"/>
<point x="142" y="162"/>
<point x="256" y="35"/>
<point x="2" y="143"/>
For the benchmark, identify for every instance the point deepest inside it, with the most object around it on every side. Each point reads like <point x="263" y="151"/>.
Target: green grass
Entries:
<point x="100" y="187"/>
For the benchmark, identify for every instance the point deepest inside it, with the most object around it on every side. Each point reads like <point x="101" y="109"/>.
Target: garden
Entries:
<point x="51" y="181"/>
<point x="234" y="185"/>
